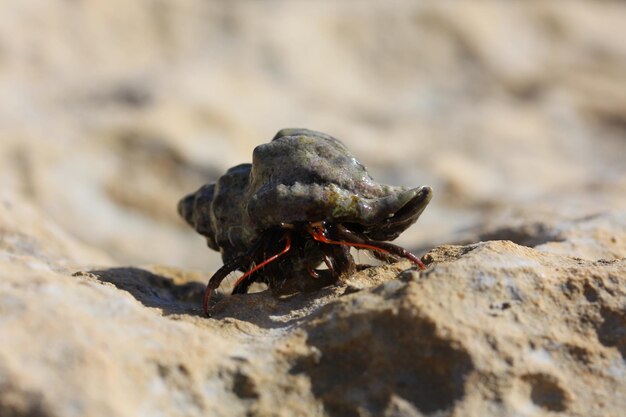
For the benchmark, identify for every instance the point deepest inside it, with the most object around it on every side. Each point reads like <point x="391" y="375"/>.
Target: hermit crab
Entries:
<point x="303" y="202"/>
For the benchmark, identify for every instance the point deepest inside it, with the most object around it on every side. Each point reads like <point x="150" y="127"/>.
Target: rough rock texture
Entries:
<point x="489" y="329"/>
<point x="514" y="112"/>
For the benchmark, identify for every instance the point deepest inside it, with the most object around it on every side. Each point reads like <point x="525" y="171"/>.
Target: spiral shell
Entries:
<point x="300" y="176"/>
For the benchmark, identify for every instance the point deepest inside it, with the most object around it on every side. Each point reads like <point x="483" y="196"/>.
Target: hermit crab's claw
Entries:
<point x="399" y="217"/>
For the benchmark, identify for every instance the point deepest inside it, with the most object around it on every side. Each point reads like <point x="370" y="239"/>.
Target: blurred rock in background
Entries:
<point x="112" y="110"/>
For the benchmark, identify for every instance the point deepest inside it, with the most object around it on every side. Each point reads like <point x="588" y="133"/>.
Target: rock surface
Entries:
<point x="490" y="328"/>
<point x="514" y="113"/>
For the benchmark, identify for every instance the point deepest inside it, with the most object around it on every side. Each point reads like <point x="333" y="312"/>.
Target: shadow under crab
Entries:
<point x="304" y="201"/>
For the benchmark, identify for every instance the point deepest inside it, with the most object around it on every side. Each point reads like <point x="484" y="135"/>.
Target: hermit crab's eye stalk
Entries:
<point x="318" y="232"/>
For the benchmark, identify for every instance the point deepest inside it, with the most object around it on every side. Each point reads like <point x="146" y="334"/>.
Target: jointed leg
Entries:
<point x="348" y="238"/>
<point x="338" y="260"/>
<point x="219" y="276"/>
<point x="244" y="282"/>
<point x="384" y="247"/>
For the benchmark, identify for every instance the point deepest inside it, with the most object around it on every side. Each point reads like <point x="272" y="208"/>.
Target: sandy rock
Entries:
<point x="489" y="329"/>
<point x="513" y="112"/>
<point x="27" y="236"/>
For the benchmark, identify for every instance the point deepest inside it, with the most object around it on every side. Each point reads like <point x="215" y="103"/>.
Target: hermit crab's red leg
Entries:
<point x="338" y="260"/>
<point x="233" y="265"/>
<point x="268" y="260"/>
<point x="312" y="272"/>
<point x="218" y="277"/>
<point x="329" y="264"/>
<point x="318" y="233"/>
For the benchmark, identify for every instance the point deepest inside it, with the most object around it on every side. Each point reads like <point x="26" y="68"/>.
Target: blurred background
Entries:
<point x="110" y="111"/>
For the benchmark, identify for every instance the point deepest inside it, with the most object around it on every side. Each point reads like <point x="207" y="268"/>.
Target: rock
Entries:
<point x="31" y="238"/>
<point x="490" y="328"/>
<point x="514" y="113"/>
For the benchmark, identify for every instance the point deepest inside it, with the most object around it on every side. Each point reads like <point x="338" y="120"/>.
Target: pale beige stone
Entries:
<point x="514" y="112"/>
